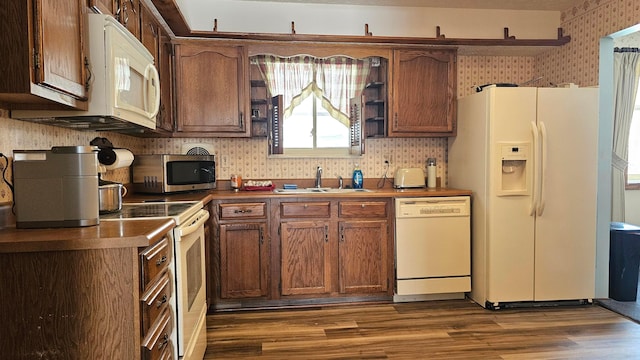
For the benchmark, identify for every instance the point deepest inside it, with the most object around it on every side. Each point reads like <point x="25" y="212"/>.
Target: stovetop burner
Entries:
<point x="151" y="210"/>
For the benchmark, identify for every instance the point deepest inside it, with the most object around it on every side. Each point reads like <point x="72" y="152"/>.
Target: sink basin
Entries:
<point x="318" y="191"/>
<point x="299" y="191"/>
<point x="331" y="190"/>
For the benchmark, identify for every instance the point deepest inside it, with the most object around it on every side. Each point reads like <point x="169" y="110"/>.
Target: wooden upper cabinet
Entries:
<point x="149" y="32"/>
<point x="127" y="12"/>
<point x="43" y="54"/>
<point x="211" y="87"/>
<point x="158" y="42"/>
<point x="164" y="62"/>
<point x="104" y="6"/>
<point x="423" y="100"/>
<point x="56" y="40"/>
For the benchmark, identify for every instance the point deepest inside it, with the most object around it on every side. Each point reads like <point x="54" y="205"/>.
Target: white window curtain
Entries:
<point x="335" y="80"/>
<point x="626" y="74"/>
<point x="341" y="79"/>
<point x="291" y="77"/>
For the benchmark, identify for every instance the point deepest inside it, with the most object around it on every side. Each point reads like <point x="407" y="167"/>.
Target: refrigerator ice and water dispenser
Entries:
<point x="514" y="170"/>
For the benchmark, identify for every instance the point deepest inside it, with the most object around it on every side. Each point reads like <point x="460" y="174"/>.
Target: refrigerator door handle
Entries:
<point x="534" y="196"/>
<point x="543" y="168"/>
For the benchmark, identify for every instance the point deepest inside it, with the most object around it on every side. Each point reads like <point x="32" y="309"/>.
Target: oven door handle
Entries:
<point x="194" y="224"/>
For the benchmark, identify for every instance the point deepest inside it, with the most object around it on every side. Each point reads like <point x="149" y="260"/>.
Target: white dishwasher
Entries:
<point x="433" y="248"/>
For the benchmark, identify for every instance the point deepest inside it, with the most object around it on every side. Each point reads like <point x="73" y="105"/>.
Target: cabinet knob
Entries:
<point x="161" y="301"/>
<point x="164" y="342"/>
<point x="362" y="206"/>
<point x="161" y="260"/>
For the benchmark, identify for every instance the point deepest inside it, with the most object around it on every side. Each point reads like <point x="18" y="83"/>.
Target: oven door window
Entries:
<point x="194" y="272"/>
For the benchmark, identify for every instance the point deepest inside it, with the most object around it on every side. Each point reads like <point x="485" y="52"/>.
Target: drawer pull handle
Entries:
<point x="362" y="206"/>
<point x="161" y="301"/>
<point x="164" y="342"/>
<point x="306" y="206"/>
<point x="242" y="211"/>
<point x="161" y="260"/>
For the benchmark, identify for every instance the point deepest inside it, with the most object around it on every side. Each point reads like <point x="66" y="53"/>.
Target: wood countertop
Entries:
<point x="108" y="234"/>
<point x="141" y="233"/>
<point x="373" y="193"/>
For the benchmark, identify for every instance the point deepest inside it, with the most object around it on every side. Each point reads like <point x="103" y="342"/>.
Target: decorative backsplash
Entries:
<point x="249" y="158"/>
<point x="575" y="62"/>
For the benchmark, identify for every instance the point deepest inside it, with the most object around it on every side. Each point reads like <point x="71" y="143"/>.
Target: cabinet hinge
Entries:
<point x="36" y="60"/>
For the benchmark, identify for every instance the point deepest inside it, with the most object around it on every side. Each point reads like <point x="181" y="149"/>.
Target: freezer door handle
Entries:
<point x="543" y="168"/>
<point x="534" y="196"/>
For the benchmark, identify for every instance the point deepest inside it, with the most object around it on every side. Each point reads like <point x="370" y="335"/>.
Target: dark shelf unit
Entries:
<point x="259" y="104"/>
<point x="375" y="99"/>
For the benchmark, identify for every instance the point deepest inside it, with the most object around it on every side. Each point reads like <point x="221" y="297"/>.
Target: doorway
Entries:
<point x="629" y="309"/>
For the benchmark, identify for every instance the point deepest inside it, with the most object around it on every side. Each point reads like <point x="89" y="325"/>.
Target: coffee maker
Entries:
<point x="57" y="187"/>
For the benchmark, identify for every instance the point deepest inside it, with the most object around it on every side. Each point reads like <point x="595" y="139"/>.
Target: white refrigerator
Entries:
<point x="529" y="155"/>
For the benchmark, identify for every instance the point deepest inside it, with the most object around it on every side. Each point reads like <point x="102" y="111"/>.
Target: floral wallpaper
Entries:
<point x="575" y="62"/>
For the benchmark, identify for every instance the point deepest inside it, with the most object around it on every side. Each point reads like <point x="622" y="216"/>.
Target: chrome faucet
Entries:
<point x="318" y="177"/>
<point x="340" y="182"/>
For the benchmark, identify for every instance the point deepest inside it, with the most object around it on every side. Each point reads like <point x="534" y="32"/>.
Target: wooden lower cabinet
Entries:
<point x="306" y="258"/>
<point x="302" y="251"/>
<point x="363" y="255"/>
<point x="244" y="260"/>
<point x="240" y="256"/>
<point x="107" y="303"/>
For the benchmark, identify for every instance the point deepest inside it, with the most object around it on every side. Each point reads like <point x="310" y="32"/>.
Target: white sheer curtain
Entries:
<point x="292" y="77"/>
<point x="335" y="80"/>
<point x="626" y="74"/>
<point x="341" y="79"/>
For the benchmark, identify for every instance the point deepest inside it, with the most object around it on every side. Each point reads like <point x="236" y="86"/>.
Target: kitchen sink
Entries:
<point x="318" y="191"/>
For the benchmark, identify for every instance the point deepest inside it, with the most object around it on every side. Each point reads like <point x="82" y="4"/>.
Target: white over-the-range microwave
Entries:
<point x="124" y="86"/>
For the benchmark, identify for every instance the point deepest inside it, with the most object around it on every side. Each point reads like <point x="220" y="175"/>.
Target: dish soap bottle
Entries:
<point x="357" y="178"/>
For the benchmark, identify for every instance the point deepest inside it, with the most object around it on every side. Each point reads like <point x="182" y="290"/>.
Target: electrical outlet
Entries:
<point x="388" y="158"/>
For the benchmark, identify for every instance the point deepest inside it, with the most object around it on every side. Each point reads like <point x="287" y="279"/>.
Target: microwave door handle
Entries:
<point x="152" y="77"/>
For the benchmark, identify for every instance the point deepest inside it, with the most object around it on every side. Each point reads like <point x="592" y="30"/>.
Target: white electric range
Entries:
<point x="189" y="305"/>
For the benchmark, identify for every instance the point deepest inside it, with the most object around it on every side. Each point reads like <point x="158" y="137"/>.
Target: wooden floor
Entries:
<point x="456" y="329"/>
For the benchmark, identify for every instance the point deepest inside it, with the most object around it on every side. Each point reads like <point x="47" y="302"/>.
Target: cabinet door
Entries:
<point x="244" y="260"/>
<point x="156" y="40"/>
<point x="210" y="81"/>
<point x="104" y="6"/>
<point x="165" y="118"/>
<point x="149" y="31"/>
<point x="59" y="55"/>
<point x="362" y="253"/>
<point x="305" y="251"/>
<point x="423" y="93"/>
<point x="128" y="14"/>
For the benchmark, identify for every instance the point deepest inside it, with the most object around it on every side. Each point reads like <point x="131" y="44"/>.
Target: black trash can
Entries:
<point x="624" y="261"/>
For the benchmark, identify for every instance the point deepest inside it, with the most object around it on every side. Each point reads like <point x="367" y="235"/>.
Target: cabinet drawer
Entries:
<point x="243" y="210"/>
<point x="154" y="260"/>
<point x="363" y="209"/>
<point x="155" y="300"/>
<point x="158" y="338"/>
<point x="167" y="354"/>
<point x="305" y="209"/>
